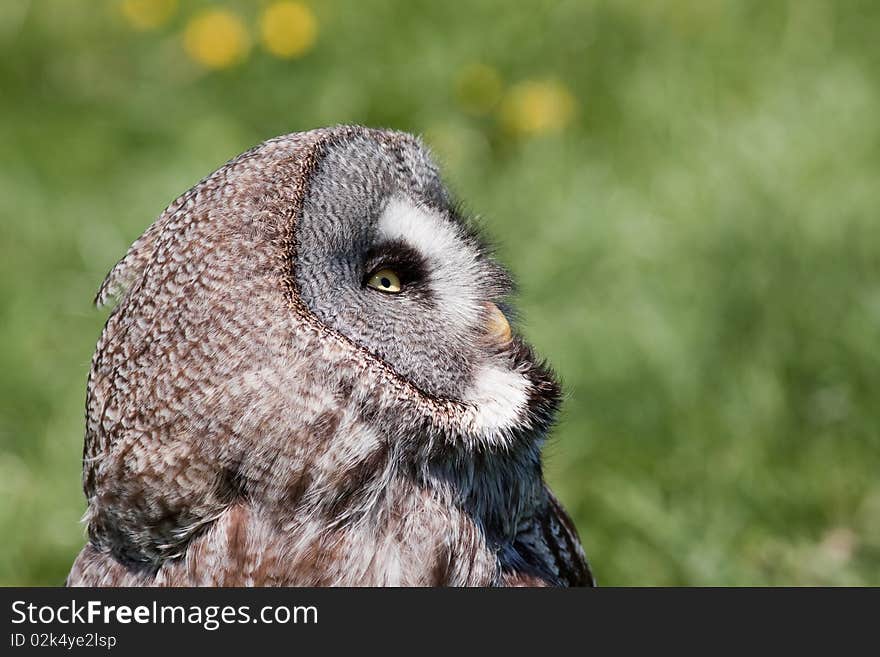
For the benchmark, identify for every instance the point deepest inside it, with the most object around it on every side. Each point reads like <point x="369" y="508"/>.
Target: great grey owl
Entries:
<point x="308" y="380"/>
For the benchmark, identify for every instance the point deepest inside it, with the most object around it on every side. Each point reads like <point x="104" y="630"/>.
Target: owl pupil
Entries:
<point x="385" y="282"/>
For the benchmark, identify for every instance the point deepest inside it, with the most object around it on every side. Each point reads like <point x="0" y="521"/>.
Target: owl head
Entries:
<point x="316" y="312"/>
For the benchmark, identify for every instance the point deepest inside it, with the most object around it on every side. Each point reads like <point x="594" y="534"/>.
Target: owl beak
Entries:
<point x="497" y="327"/>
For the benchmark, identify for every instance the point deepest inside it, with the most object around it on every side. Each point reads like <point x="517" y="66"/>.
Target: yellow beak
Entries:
<point x="497" y="326"/>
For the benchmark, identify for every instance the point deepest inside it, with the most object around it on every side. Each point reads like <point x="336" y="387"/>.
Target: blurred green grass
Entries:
<point x="695" y="233"/>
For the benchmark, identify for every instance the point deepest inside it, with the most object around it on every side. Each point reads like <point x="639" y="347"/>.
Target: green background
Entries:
<point x="697" y="244"/>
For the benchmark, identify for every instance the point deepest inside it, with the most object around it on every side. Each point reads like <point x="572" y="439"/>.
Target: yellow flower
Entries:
<point x="148" y="14"/>
<point x="478" y="88"/>
<point x="288" y="29"/>
<point x="537" y="107"/>
<point x="216" y="38"/>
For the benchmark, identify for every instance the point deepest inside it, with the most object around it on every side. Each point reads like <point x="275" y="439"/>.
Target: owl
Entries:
<point x="309" y="379"/>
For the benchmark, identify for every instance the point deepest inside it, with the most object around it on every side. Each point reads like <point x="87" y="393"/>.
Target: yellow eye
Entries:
<point x="385" y="280"/>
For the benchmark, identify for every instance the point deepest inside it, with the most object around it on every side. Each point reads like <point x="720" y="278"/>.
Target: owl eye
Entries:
<point x="385" y="280"/>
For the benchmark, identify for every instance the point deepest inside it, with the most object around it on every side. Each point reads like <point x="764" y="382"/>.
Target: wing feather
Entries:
<point x="547" y="550"/>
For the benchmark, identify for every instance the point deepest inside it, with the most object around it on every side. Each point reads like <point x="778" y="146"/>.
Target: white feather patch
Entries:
<point x="454" y="270"/>
<point x="500" y="396"/>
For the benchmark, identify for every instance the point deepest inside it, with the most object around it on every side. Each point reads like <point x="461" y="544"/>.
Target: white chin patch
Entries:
<point x="499" y="398"/>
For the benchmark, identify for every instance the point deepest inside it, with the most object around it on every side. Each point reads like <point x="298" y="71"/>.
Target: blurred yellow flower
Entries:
<point x="537" y="107"/>
<point x="288" y="29"/>
<point x="478" y="88"/>
<point x="216" y="38"/>
<point x="148" y="14"/>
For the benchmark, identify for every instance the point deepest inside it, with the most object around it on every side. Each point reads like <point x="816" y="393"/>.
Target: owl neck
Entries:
<point x="496" y="488"/>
